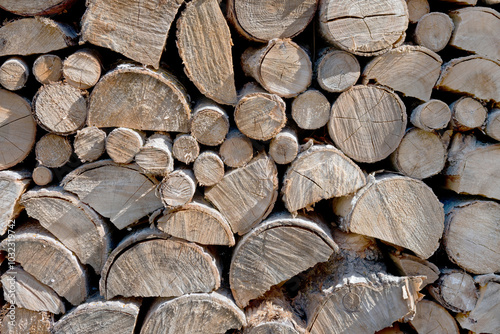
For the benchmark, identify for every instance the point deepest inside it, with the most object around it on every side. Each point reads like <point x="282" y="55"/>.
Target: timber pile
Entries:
<point x="250" y="166"/>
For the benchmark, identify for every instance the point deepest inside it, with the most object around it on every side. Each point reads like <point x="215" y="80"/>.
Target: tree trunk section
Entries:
<point x="82" y="69"/>
<point x="42" y="175"/>
<point x="89" y="144"/>
<point x="185" y="149"/>
<point x="455" y="290"/>
<point x="13" y="184"/>
<point x="26" y="320"/>
<point x="14" y="73"/>
<point x="47" y="68"/>
<point x="434" y="31"/>
<point x="177" y="188"/>
<point x="236" y="150"/>
<point x="53" y="150"/>
<point x="311" y="110"/>
<point x="431" y="115"/>
<point x="432" y="317"/>
<point x="417" y="9"/>
<point x="36" y="7"/>
<point x="284" y="147"/>
<point x="155" y="157"/>
<point x="123" y="144"/>
<point x="210" y="123"/>
<point x="208" y="169"/>
<point x="337" y="71"/>
<point x="467" y="114"/>
<point x="409" y="265"/>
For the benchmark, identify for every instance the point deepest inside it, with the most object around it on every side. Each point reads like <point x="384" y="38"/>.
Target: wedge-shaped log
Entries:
<point x="36" y="7"/>
<point x="12" y="185"/>
<point x="492" y="126"/>
<point x="410" y="265"/>
<point x="431" y="317"/>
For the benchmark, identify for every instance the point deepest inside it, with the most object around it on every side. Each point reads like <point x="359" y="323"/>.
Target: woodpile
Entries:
<point x="250" y="166"/>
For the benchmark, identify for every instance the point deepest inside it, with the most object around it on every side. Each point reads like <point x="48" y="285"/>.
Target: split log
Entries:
<point x="12" y="184"/>
<point x="366" y="28"/>
<point x="210" y="123"/>
<point x="160" y="102"/>
<point x="208" y="169"/>
<point x="395" y="209"/>
<point x="258" y="261"/>
<point x="155" y="157"/>
<point x="14" y="73"/>
<point x="337" y="71"/>
<point x="74" y="223"/>
<point x="193" y="313"/>
<point x="455" y="290"/>
<point x="492" y="127"/>
<point x="246" y="195"/>
<point x="467" y="114"/>
<point x="53" y="151"/>
<point x="17" y="129"/>
<point x="262" y="21"/>
<point x="311" y="110"/>
<point x="409" y="265"/>
<point x="417" y="9"/>
<point x="36" y="7"/>
<point x="211" y="70"/>
<point x="177" y="188"/>
<point x="410" y="70"/>
<point x="118" y="192"/>
<point x="284" y="147"/>
<point x="431" y="115"/>
<point x="433" y="31"/>
<point x="47" y="68"/>
<point x="433" y="318"/>
<point x="185" y="148"/>
<point x="42" y="175"/>
<point x="60" y="108"/>
<point x="28" y="321"/>
<point x="82" y="69"/>
<point x="367" y="122"/>
<point x="282" y="67"/>
<point x="35" y="35"/>
<point x="108" y="24"/>
<point x="163" y="267"/>
<point x="236" y="150"/>
<point x="89" y="144"/>
<point x="123" y="144"/>
<point x="320" y="172"/>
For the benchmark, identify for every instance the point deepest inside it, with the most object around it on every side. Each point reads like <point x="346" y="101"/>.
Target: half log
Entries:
<point x="12" y="185"/>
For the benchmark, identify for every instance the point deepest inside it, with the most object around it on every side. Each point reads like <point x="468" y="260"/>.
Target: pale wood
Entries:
<point x="337" y="70"/>
<point x="163" y="267"/>
<point x="122" y="144"/>
<point x="42" y="175"/>
<point x="155" y="157"/>
<point x="492" y="126"/>
<point x="206" y="54"/>
<point x="160" y="102"/>
<point x="74" y="223"/>
<point x="31" y="321"/>
<point x="311" y="110"/>
<point x="431" y="115"/>
<point x="433" y="318"/>
<point x="284" y="147"/>
<point x="136" y="30"/>
<point x="177" y="188"/>
<point x="185" y="148"/>
<point x="12" y="185"/>
<point x="53" y="150"/>
<point x="320" y="172"/>
<point x="366" y="28"/>
<point x="14" y="73"/>
<point x="210" y="123"/>
<point x="208" y="168"/>
<point x="367" y="122"/>
<point x="264" y="20"/>
<point x="410" y="70"/>
<point x="455" y="290"/>
<point x="118" y="192"/>
<point x="410" y="265"/>
<point x="491" y="2"/>
<point x="236" y="150"/>
<point x="193" y="313"/>
<point x="82" y="69"/>
<point x="259" y="259"/>
<point x="36" y="7"/>
<point x="17" y="129"/>
<point x="47" y="68"/>
<point x="417" y="9"/>
<point x="89" y="144"/>
<point x="60" y="108"/>
<point x="467" y="114"/>
<point x="246" y="195"/>
<point x="433" y="31"/>
<point x="282" y="67"/>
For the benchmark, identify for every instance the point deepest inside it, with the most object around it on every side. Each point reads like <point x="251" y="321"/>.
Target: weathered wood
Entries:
<point x="431" y="115"/>
<point x="158" y="103"/>
<point x="155" y="157"/>
<point x="206" y="54"/>
<point x="492" y="126"/>
<point x="236" y="150"/>
<point x="118" y="192"/>
<point x="417" y="9"/>
<point x="433" y="31"/>
<point x="433" y="318"/>
<point x="208" y="168"/>
<point x="36" y="7"/>
<point x="311" y="110"/>
<point x="14" y="73"/>
<point x="177" y="188"/>
<point x="185" y="148"/>
<point x="410" y="265"/>
<point x="337" y="70"/>
<point x="27" y="321"/>
<point x="411" y="70"/>
<point x="53" y="150"/>
<point x="455" y="290"/>
<point x="42" y="175"/>
<point x="47" y="68"/>
<point x="467" y="114"/>
<point x="82" y="69"/>
<point x="284" y="147"/>
<point x="122" y="144"/>
<point x="210" y="123"/>
<point x="320" y="172"/>
<point x="12" y="185"/>
<point x="89" y="144"/>
<point x="367" y="122"/>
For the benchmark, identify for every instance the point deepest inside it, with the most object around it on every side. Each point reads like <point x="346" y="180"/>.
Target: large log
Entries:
<point x="36" y="7"/>
<point x="337" y="70"/>
<point x="455" y="290"/>
<point x="47" y="68"/>
<point x="12" y="184"/>
<point x="431" y="317"/>
<point x="311" y="110"/>
<point x="14" y="73"/>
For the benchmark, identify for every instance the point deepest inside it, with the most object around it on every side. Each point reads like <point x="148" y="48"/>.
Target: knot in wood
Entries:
<point x="351" y="301"/>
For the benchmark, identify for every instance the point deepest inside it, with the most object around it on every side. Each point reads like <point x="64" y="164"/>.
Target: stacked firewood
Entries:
<point x="250" y="166"/>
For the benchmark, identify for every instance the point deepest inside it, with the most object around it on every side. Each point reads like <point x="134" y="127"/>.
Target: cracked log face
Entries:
<point x="35" y="7"/>
<point x="12" y="185"/>
<point x="432" y="317"/>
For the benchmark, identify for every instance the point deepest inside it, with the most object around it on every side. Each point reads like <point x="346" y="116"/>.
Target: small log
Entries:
<point x="123" y="144"/>
<point x="431" y="115"/>
<point x="492" y="126"/>
<point x="89" y="144"/>
<point x="177" y="188"/>
<point x="366" y="29"/>
<point x="367" y="122"/>
<point x="337" y="71"/>
<point x="17" y="129"/>
<point x="13" y="185"/>
<point x="155" y="157"/>
<point x="208" y="169"/>
<point x="467" y="114"/>
<point x="36" y="7"/>
<point x="284" y="147"/>
<point x="211" y="70"/>
<point x="121" y="193"/>
<point x="320" y="172"/>
<point x="210" y="123"/>
<point x="47" y="68"/>
<point x="193" y="313"/>
<point x="432" y="317"/>
<point x="53" y="151"/>
<point x="311" y="110"/>
<point x="411" y="70"/>
<point x="185" y="148"/>
<point x="60" y="108"/>
<point x="246" y="195"/>
<point x="236" y="150"/>
<point x="82" y="69"/>
<point x="14" y="73"/>
<point x="282" y="67"/>
<point x="417" y="9"/>
<point x="42" y="175"/>
<point x="455" y="290"/>
<point x="163" y="267"/>
<point x="26" y="320"/>
<point x="433" y="31"/>
<point x="409" y="265"/>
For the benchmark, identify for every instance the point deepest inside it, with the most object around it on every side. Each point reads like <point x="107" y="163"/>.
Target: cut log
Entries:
<point x="411" y="70"/>
<point x="118" y="192"/>
<point x="109" y="24"/>
<point x="433" y="31"/>
<point x="89" y="144"/>
<point x="409" y="265"/>
<point x="82" y="69"/>
<point x="210" y="123"/>
<point x="282" y="67"/>
<point x="393" y="329"/>
<point x="106" y="317"/>
<point x="17" y="129"/>
<point x="473" y="75"/>
<point x="259" y="261"/>
<point x="395" y="209"/>
<point x="36" y="7"/>
<point x="197" y="222"/>
<point x="27" y="321"/>
<point x="12" y="185"/>
<point x="492" y="127"/>
<point x="417" y="9"/>
<point x="60" y="108"/>
<point x="320" y="172"/>
<point x="337" y="71"/>
<point x="74" y="223"/>
<point x="193" y="313"/>
<point x="185" y="148"/>
<point x="455" y="290"/>
<point x="177" y="188"/>
<point x="123" y="144"/>
<point x="23" y="290"/>
<point x="236" y="150"/>
<point x="163" y="267"/>
<point x="433" y="318"/>
<point x="246" y="195"/>
<point x="421" y="154"/>
<point x="61" y="270"/>
<point x="53" y="151"/>
<point x="155" y="157"/>
<point x="284" y="147"/>
<point x="14" y="73"/>
<point x="158" y="103"/>
<point x="364" y="28"/>
<point x="206" y="54"/>
<point x="431" y="115"/>
<point x="47" y="68"/>
<point x="467" y="114"/>
<point x="35" y="35"/>
<point x="42" y="175"/>
<point x="367" y="122"/>
<point x="311" y="110"/>
<point x="208" y="169"/>
<point x="264" y="20"/>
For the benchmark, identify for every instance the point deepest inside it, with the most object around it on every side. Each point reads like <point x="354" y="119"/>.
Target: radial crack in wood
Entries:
<point x="432" y="317"/>
<point x="455" y="290"/>
<point x="337" y="70"/>
<point x="431" y="115"/>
